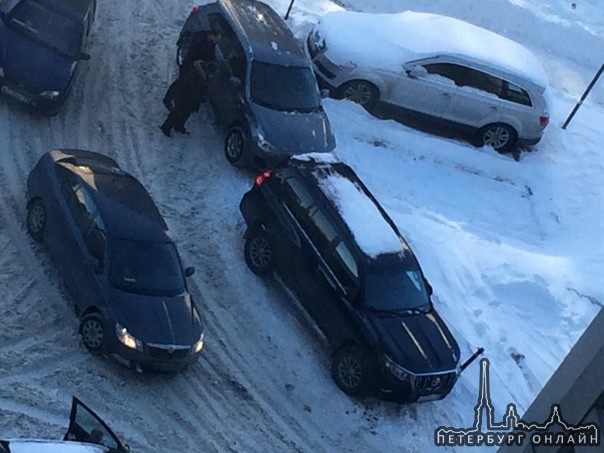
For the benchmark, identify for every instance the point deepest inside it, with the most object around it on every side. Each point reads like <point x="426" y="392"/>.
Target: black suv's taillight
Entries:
<point x="262" y="177"/>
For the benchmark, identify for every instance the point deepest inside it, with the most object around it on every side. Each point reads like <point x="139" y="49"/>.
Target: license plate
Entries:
<point x="15" y="94"/>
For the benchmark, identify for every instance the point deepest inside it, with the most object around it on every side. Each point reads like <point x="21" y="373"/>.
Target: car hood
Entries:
<point x="420" y="343"/>
<point x="157" y="319"/>
<point x="32" y="65"/>
<point x="295" y="132"/>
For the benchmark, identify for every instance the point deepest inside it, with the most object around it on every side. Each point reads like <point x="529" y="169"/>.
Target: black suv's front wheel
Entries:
<point x="350" y="370"/>
<point x="36" y="219"/>
<point x="260" y="252"/>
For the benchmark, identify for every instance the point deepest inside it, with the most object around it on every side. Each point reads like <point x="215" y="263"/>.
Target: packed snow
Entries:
<point x="386" y="41"/>
<point x="513" y="250"/>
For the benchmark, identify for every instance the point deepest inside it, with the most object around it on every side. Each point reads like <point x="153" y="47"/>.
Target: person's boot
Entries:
<point x="165" y="130"/>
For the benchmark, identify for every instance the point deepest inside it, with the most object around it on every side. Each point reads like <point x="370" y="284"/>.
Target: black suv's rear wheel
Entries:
<point x="350" y="370"/>
<point x="260" y="252"/>
<point x="234" y="146"/>
<point x="36" y="219"/>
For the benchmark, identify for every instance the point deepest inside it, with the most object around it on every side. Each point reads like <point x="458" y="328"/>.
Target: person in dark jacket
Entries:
<point x="202" y="47"/>
<point x="184" y="97"/>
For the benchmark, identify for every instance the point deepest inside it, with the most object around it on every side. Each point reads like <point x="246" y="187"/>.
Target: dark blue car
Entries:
<point x="116" y="257"/>
<point x="41" y="44"/>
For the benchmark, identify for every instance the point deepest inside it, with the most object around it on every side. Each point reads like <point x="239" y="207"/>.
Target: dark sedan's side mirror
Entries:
<point x="189" y="271"/>
<point x="84" y="56"/>
<point x="324" y="93"/>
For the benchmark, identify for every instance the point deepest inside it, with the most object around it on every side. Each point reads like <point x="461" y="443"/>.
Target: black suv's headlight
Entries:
<point x="50" y="95"/>
<point x="396" y="370"/>
<point x="198" y="344"/>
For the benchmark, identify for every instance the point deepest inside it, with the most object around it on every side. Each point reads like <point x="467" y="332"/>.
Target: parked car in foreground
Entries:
<point x="87" y="433"/>
<point x="435" y="66"/>
<point x="317" y="225"/>
<point x="41" y="45"/>
<point x="117" y="258"/>
<point x="264" y="92"/>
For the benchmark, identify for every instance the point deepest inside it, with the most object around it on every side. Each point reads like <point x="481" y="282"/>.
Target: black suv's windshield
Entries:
<point x="48" y="26"/>
<point x="287" y="88"/>
<point x="144" y="267"/>
<point x="395" y="282"/>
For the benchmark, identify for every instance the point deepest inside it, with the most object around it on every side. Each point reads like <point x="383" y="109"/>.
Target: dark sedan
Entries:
<point x="116" y="257"/>
<point x="41" y="44"/>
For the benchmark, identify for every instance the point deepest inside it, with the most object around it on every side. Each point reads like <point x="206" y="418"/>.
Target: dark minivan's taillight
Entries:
<point x="262" y="177"/>
<point x="544" y="120"/>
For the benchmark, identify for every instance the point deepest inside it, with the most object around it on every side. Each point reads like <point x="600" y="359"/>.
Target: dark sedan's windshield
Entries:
<point x="47" y="25"/>
<point x="395" y="282"/>
<point x="286" y="88"/>
<point x="146" y="267"/>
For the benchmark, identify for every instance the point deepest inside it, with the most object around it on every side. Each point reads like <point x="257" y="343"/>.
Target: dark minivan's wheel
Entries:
<point x="259" y="252"/>
<point x="500" y="137"/>
<point x="361" y="92"/>
<point x="92" y="329"/>
<point x="350" y="371"/>
<point x="36" y="219"/>
<point x="234" y="146"/>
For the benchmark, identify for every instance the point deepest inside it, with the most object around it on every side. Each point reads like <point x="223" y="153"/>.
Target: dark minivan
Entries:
<point x="117" y="259"/>
<point x="331" y="242"/>
<point x="41" y="44"/>
<point x="264" y="91"/>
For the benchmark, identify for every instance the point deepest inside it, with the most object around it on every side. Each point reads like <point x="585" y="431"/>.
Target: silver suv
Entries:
<point x="436" y="66"/>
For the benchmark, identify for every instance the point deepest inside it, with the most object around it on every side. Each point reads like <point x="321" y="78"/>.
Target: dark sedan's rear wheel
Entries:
<point x="234" y="146"/>
<point x="36" y="219"/>
<point x="260" y="252"/>
<point x="361" y="92"/>
<point x="350" y="370"/>
<point x="92" y="329"/>
<point x="500" y="137"/>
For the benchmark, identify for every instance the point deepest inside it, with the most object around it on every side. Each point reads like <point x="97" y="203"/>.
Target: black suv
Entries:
<point x="264" y="91"/>
<point x="318" y="225"/>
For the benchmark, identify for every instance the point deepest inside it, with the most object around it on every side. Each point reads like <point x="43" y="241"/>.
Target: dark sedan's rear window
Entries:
<point x="47" y="25"/>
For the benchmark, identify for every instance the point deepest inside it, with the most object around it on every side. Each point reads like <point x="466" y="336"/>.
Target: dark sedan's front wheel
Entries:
<point x="92" y="329"/>
<point x="36" y="219"/>
<point x="234" y="146"/>
<point x="259" y="252"/>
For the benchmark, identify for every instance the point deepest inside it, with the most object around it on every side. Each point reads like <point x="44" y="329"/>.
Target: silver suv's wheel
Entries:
<point x="500" y="137"/>
<point x="361" y="92"/>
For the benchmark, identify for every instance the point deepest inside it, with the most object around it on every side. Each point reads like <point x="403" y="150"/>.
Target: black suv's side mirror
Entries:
<point x="428" y="287"/>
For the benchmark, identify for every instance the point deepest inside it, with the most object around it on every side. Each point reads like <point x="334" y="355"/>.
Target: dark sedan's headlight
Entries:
<point x="320" y="44"/>
<point x="50" y="95"/>
<point x="395" y="369"/>
<point x="198" y="344"/>
<point x="126" y="338"/>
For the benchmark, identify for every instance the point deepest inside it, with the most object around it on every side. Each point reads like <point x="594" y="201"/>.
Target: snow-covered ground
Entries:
<point x="512" y="249"/>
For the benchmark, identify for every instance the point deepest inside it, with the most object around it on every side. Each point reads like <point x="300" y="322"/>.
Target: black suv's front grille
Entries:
<point x="168" y="353"/>
<point x="437" y="383"/>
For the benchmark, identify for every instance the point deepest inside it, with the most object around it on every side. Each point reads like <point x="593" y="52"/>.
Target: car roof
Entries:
<point x="369" y="226"/>
<point x="51" y="446"/>
<point x="125" y="206"/>
<point x="75" y="8"/>
<point x="267" y="36"/>
<point x="392" y="39"/>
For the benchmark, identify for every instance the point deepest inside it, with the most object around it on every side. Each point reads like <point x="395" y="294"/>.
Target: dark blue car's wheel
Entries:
<point x="36" y="219"/>
<point x="92" y="329"/>
<point x="234" y="146"/>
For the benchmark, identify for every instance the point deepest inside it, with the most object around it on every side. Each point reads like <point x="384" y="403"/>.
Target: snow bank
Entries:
<point x="41" y="446"/>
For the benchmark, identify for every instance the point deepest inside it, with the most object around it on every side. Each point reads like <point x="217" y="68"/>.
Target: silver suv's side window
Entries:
<point x="454" y="72"/>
